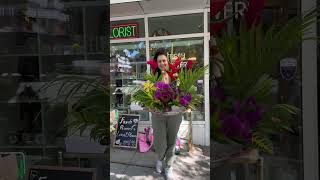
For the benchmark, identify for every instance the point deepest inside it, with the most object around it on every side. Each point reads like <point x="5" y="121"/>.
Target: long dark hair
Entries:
<point x="156" y="55"/>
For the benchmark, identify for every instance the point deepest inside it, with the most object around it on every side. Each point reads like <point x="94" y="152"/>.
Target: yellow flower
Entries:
<point x="149" y="87"/>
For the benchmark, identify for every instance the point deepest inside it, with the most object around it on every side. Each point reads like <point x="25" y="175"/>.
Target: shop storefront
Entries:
<point x="136" y="38"/>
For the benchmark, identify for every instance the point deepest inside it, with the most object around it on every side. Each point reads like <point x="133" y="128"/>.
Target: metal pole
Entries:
<point x="190" y="145"/>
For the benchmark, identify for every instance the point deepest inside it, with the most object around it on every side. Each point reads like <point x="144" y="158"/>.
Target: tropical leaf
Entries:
<point x="261" y="90"/>
<point x="88" y="100"/>
<point x="262" y="143"/>
<point x="188" y="78"/>
<point x="152" y="77"/>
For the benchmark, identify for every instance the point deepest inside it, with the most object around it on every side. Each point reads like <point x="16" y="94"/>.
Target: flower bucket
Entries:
<point x="145" y="140"/>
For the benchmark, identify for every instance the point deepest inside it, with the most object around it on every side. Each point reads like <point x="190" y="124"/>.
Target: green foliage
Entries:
<point x="186" y="83"/>
<point x="152" y="77"/>
<point x="248" y="58"/>
<point x="215" y="129"/>
<point x="262" y="142"/>
<point x="88" y="100"/>
<point x="249" y="54"/>
<point x="188" y="78"/>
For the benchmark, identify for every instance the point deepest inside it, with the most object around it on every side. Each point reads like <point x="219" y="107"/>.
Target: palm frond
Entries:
<point x="188" y="78"/>
<point x="261" y="90"/>
<point x="262" y="143"/>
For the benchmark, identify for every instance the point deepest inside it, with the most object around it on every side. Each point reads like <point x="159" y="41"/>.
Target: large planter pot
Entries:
<point x="246" y="156"/>
<point x="233" y="153"/>
<point x="223" y="151"/>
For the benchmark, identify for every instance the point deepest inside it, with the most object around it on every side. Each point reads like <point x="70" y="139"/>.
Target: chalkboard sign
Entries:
<point x="61" y="173"/>
<point x="127" y="131"/>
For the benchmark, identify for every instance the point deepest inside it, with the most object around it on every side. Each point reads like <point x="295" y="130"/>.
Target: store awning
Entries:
<point x="156" y="6"/>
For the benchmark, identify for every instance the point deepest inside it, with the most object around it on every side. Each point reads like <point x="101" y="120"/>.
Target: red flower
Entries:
<point x="216" y="28"/>
<point x="253" y="13"/>
<point x="173" y="72"/>
<point x="216" y="6"/>
<point x="153" y="64"/>
<point x="177" y="63"/>
<point x="189" y="64"/>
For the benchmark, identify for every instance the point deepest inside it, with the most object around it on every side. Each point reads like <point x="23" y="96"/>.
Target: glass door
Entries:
<point x="287" y="161"/>
<point x="127" y="67"/>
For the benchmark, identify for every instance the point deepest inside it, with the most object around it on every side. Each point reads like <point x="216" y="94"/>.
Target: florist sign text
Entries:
<point x="124" y="31"/>
<point x="239" y="7"/>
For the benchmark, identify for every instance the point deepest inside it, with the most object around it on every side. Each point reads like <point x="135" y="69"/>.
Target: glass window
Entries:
<point x="62" y="37"/>
<point x="39" y="42"/>
<point x="20" y="28"/>
<point x="96" y="32"/>
<point x="287" y="161"/>
<point x="128" y="64"/>
<point x="133" y="28"/>
<point x="188" y="49"/>
<point x="174" y="25"/>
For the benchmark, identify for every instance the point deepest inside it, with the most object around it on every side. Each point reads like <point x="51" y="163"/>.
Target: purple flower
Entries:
<point x="233" y="127"/>
<point x="185" y="100"/>
<point x="254" y="113"/>
<point x="253" y="117"/>
<point x="242" y="119"/>
<point x="164" y="92"/>
<point x="237" y="107"/>
<point x="162" y="85"/>
<point x="249" y="111"/>
<point x="218" y="93"/>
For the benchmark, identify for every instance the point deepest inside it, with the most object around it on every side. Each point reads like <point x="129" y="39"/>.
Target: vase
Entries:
<point x="249" y="156"/>
<point x="233" y="154"/>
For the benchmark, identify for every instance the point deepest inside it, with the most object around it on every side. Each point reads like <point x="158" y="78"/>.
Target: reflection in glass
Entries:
<point x="174" y="25"/>
<point x="40" y="41"/>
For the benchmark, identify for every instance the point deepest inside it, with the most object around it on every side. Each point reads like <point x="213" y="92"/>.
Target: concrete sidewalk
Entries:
<point x="133" y="165"/>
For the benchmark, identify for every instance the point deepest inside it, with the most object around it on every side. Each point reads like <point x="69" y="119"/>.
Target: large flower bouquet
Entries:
<point x="242" y="110"/>
<point x="180" y="94"/>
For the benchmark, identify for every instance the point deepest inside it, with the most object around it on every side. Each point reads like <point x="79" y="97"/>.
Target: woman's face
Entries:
<point x="162" y="61"/>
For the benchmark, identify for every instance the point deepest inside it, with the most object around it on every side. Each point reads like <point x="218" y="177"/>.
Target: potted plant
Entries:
<point x="87" y="98"/>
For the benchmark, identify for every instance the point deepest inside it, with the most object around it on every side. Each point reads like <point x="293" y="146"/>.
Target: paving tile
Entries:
<point x="117" y="171"/>
<point x="142" y="173"/>
<point x="117" y="168"/>
<point x="145" y="159"/>
<point x="195" y="166"/>
<point x="121" y="155"/>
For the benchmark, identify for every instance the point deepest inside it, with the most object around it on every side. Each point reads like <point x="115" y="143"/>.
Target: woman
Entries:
<point x="165" y="127"/>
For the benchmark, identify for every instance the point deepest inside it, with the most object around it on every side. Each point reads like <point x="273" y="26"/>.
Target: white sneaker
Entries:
<point x="159" y="167"/>
<point x="169" y="174"/>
